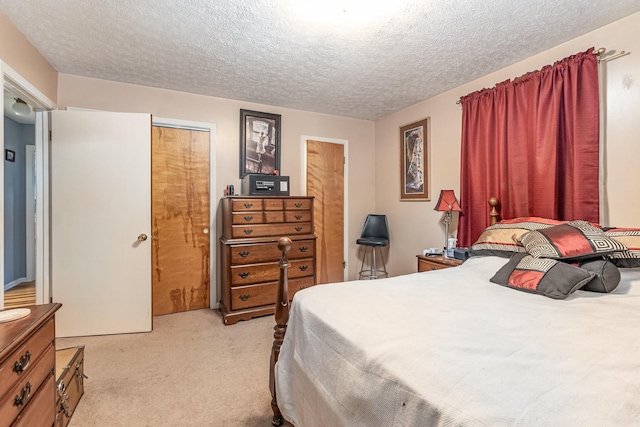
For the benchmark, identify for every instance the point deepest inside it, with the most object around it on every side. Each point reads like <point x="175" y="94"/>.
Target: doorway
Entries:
<point x="325" y="181"/>
<point x="18" y="201"/>
<point x="180" y="215"/>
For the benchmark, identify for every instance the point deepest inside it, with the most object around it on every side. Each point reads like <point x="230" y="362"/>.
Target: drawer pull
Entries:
<point x="434" y="268"/>
<point x="298" y="217"/>
<point x="248" y="205"/>
<point x="24" y="396"/>
<point x="303" y="287"/>
<point x="303" y="248"/>
<point x="64" y="399"/>
<point x="298" y="229"/>
<point x="244" y="274"/>
<point x="297" y="205"/>
<point x="248" y="218"/>
<point x="244" y="254"/>
<point x="248" y="231"/>
<point x="245" y="297"/>
<point x="23" y="363"/>
<point x="303" y="267"/>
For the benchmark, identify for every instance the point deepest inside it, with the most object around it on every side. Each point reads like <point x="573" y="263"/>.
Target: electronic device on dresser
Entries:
<point x="264" y="185"/>
<point x="251" y="227"/>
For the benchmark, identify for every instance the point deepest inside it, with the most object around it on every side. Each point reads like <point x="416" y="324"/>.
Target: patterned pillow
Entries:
<point x="573" y="240"/>
<point x="548" y="277"/>
<point x="630" y="237"/>
<point x="501" y="239"/>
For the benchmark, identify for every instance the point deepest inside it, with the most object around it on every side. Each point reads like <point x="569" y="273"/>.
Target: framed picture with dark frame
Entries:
<point x="414" y="161"/>
<point x="9" y="155"/>
<point x="259" y="143"/>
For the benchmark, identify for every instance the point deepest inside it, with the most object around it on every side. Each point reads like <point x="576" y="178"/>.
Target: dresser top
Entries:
<point x="14" y="332"/>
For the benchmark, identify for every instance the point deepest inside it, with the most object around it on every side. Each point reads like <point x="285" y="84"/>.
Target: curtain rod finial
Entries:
<point x="599" y="52"/>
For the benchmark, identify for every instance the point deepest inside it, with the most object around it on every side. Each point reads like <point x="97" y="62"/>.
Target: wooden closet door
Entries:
<point x="325" y="182"/>
<point x="180" y="219"/>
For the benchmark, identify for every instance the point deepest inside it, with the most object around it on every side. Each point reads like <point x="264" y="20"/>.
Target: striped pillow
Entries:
<point x="630" y="237"/>
<point x="501" y="239"/>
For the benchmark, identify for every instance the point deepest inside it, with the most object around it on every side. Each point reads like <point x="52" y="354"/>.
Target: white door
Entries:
<point x="30" y="209"/>
<point x="100" y="205"/>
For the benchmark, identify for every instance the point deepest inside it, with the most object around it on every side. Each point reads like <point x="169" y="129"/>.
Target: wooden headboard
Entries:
<point x="282" y="311"/>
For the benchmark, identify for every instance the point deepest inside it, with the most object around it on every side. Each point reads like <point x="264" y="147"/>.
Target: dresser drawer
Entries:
<point x="267" y="272"/>
<point x="19" y="396"/>
<point x="266" y="252"/>
<point x="297" y="204"/>
<point x="41" y="410"/>
<point x="244" y="205"/>
<point x="22" y="361"/>
<point x="273" y="204"/>
<point x="271" y="217"/>
<point x="266" y="230"/>
<point x="297" y="216"/>
<point x="264" y="294"/>
<point x="247" y="218"/>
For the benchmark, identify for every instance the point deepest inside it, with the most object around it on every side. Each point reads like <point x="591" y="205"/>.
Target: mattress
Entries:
<point x="450" y="348"/>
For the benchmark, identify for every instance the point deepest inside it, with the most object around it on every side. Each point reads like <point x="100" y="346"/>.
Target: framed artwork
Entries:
<point x="259" y="143"/>
<point x="414" y="161"/>
<point x="9" y="155"/>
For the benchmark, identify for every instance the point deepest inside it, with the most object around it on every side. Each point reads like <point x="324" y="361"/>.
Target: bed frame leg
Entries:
<point x="282" y="318"/>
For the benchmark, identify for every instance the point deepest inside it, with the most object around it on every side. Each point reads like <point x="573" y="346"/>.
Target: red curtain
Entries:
<point x="534" y="143"/>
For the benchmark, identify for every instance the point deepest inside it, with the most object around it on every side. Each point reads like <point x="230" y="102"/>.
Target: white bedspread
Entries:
<point x="450" y="348"/>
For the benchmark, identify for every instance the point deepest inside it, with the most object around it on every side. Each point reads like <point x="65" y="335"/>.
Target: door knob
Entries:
<point x="142" y="237"/>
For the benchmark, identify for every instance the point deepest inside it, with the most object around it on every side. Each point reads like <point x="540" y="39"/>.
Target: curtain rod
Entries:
<point x="598" y="53"/>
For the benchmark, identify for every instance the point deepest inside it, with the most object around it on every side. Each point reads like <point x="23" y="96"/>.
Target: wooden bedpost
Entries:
<point x="282" y="318"/>
<point x="494" y="215"/>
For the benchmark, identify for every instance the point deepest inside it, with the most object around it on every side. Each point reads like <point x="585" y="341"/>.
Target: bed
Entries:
<point x="451" y="347"/>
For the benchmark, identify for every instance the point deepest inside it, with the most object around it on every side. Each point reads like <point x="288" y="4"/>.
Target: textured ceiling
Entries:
<point x="359" y="62"/>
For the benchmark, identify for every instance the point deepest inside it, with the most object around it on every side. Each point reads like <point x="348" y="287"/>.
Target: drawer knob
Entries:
<point x="23" y="397"/>
<point x="303" y="267"/>
<point x="303" y="248"/>
<point x="248" y="231"/>
<point x="248" y="205"/>
<point x="298" y="204"/>
<point x="303" y="287"/>
<point x="245" y="297"/>
<point x="433" y="268"/>
<point x="248" y="218"/>
<point x="244" y="274"/>
<point x="298" y="229"/>
<point x="298" y="217"/>
<point x="23" y="363"/>
<point x="244" y="254"/>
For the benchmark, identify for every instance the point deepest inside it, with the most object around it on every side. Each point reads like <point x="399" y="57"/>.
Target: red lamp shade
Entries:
<point x="447" y="202"/>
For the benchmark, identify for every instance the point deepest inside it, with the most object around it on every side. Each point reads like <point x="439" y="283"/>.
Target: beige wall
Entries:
<point x="415" y="225"/>
<point x="17" y="52"/>
<point x="105" y="95"/>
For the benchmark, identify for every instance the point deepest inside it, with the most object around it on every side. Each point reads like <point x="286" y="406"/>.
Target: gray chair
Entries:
<point x="375" y="234"/>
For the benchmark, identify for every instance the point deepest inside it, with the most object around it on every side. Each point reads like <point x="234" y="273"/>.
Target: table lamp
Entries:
<point x="447" y="203"/>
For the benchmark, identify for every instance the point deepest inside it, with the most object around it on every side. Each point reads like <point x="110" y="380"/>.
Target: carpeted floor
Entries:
<point x="190" y="371"/>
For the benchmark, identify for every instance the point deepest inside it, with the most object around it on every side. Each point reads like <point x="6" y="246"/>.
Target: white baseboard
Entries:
<point x="14" y="283"/>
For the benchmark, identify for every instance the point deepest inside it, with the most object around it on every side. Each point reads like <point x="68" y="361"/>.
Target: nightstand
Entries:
<point x="436" y="262"/>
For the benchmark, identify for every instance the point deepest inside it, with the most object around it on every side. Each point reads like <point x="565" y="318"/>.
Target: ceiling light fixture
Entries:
<point x="21" y="108"/>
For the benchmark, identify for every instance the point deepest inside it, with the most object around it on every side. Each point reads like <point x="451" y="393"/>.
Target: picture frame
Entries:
<point x="9" y="155"/>
<point x="414" y="161"/>
<point x="259" y="143"/>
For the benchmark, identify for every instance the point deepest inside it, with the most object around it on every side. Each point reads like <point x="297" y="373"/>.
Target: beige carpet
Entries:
<point x="190" y="371"/>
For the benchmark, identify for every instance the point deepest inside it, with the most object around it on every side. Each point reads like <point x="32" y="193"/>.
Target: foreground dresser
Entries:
<point x="251" y="227"/>
<point x="27" y="368"/>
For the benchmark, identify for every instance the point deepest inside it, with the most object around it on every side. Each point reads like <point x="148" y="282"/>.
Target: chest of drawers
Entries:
<point x="27" y="367"/>
<point x="251" y="227"/>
